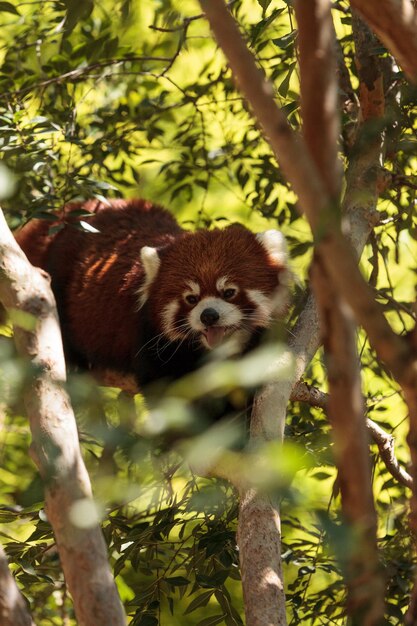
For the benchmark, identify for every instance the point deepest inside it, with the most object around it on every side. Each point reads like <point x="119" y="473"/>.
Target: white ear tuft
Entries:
<point x="275" y="244"/>
<point x="151" y="263"/>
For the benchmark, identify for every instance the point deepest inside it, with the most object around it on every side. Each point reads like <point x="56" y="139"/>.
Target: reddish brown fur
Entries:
<point x="236" y="250"/>
<point x="96" y="278"/>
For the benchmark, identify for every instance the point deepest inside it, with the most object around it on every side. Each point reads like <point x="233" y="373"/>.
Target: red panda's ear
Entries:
<point x="151" y="263"/>
<point x="275" y="244"/>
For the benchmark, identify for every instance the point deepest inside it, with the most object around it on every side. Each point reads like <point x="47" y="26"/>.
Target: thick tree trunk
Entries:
<point x="345" y="410"/>
<point x="259" y="540"/>
<point x="339" y="261"/>
<point x="55" y="446"/>
<point x="345" y="406"/>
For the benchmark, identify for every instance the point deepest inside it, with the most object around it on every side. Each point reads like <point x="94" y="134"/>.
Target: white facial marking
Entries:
<point x="230" y="317"/>
<point x="263" y="305"/>
<point x="275" y="244"/>
<point x="274" y="305"/>
<point x="168" y="320"/>
<point x="151" y="263"/>
<point x="281" y="296"/>
<point x="193" y="291"/>
<point x="229" y="314"/>
<point x="194" y="287"/>
<point x="225" y="283"/>
<point x="221" y="283"/>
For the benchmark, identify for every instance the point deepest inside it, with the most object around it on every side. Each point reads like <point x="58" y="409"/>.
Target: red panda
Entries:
<point x="138" y="294"/>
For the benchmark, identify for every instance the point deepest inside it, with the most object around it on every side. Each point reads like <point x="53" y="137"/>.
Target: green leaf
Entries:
<point x="177" y="581"/>
<point x="286" y="40"/>
<point x="285" y="84"/>
<point x="211" y="621"/>
<point x="7" y="7"/>
<point x="264" y="4"/>
<point x="76" y="12"/>
<point x="199" y="601"/>
<point x="23" y="320"/>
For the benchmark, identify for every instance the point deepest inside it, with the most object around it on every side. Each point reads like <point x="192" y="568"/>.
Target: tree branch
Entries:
<point x="345" y="407"/>
<point x="345" y="410"/>
<point x="55" y="446"/>
<point x="385" y="442"/>
<point x="80" y="73"/>
<point x="319" y="90"/>
<point x="395" y="23"/>
<point x="336" y="253"/>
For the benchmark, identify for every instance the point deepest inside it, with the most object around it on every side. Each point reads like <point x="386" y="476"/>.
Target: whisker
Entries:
<point x="175" y="351"/>
<point x="154" y="339"/>
<point x="251" y="322"/>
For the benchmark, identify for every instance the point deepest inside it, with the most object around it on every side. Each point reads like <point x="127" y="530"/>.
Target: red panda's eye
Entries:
<point x="191" y="299"/>
<point x="229" y="293"/>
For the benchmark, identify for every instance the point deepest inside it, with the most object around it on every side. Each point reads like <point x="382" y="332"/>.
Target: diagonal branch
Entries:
<point x="345" y="410"/>
<point x="333" y="248"/>
<point x="55" y="446"/>
<point x="385" y="442"/>
<point x="345" y="407"/>
<point x="301" y="393"/>
<point x="395" y="23"/>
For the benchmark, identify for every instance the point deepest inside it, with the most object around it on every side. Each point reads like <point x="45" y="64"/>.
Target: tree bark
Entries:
<point x="55" y="446"/>
<point x="259" y="540"/>
<point x="358" y="220"/>
<point x="385" y="442"/>
<point x="395" y="23"/>
<point x="319" y="91"/>
<point x="345" y="409"/>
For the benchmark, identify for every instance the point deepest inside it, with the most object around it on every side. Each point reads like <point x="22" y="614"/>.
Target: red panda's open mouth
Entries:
<point x="214" y="335"/>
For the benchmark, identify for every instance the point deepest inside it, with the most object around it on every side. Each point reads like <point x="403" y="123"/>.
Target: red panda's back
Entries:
<point x="96" y="272"/>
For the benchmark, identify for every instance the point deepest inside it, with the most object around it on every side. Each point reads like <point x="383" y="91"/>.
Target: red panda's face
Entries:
<point x="212" y="286"/>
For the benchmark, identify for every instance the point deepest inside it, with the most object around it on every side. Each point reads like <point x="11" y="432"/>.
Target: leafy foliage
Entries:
<point x="132" y="98"/>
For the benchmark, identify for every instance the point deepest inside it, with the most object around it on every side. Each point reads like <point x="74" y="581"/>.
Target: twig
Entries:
<point x="385" y="442"/>
<point x="81" y="72"/>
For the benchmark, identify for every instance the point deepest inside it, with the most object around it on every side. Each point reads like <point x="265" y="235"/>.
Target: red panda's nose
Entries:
<point x="209" y="317"/>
